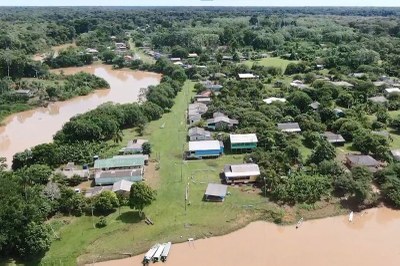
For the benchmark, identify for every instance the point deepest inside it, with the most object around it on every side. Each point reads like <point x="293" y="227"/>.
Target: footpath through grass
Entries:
<point x="126" y="234"/>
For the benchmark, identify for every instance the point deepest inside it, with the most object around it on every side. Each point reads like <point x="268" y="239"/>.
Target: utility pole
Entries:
<point x="265" y="188"/>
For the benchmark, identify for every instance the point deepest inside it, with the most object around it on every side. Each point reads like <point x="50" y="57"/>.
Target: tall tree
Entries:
<point x="141" y="195"/>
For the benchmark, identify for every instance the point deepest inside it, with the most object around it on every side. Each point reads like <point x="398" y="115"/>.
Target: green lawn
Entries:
<point x="271" y="61"/>
<point x="125" y="234"/>
<point x="144" y="57"/>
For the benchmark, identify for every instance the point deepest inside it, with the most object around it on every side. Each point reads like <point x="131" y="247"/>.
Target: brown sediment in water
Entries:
<point x="371" y="239"/>
<point x="26" y="129"/>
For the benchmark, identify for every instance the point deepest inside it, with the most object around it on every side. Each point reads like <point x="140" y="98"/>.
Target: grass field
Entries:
<point x="125" y="233"/>
<point x="271" y="62"/>
<point x="144" y="57"/>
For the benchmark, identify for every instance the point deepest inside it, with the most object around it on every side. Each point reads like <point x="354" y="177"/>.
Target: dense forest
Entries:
<point x="343" y="58"/>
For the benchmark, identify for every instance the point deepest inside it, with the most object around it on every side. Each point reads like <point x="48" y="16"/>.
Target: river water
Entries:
<point x="373" y="238"/>
<point x="27" y="129"/>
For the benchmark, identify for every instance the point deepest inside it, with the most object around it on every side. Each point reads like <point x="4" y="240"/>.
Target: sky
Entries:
<point x="199" y="3"/>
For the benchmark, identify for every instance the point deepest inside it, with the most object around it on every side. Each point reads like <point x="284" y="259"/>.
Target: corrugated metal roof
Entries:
<point x="122" y="185"/>
<point x="216" y="190"/>
<point x="333" y="138"/>
<point x="243" y="138"/>
<point x="238" y="170"/>
<point x="204" y="145"/>
<point x="364" y="160"/>
<point x="246" y="76"/>
<point x="289" y="127"/>
<point x="116" y="162"/>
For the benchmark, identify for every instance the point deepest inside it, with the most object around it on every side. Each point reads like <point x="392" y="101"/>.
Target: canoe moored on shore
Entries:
<point x="157" y="254"/>
<point x="165" y="252"/>
<point x="149" y="255"/>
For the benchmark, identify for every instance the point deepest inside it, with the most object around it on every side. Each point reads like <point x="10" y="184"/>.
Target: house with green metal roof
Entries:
<point x="120" y="162"/>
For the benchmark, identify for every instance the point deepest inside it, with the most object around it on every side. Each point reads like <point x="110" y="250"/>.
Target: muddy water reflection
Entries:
<point x="26" y="129"/>
<point x="371" y="239"/>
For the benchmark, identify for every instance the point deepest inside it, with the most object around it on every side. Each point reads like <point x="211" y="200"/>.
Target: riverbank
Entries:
<point x="330" y="241"/>
<point x="43" y="122"/>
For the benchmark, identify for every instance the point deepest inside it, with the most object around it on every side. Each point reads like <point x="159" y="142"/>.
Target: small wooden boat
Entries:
<point x="149" y="255"/>
<point x="351" y="215"/>
<point x="165" y="252"/>
<point x="299" y="222"/>
<point x="157" y="254"/>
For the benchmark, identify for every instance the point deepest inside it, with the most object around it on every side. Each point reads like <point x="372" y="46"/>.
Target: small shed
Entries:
<point x="334" y="138"/>
<point x="289" y="127"/>
<point x="122" y="187"/>
<point x="215" y="192"/>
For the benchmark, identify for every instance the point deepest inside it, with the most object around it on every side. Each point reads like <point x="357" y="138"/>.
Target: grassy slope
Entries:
<point x="124" y="234"/>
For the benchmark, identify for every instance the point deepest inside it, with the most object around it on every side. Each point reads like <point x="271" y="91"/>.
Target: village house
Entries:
<point x="243" y="142"/>
<point x="120" y="163"/>
<point x="193" y="55"/>
<point x="247" y="76"/>
<point x="298" y="84"/>
<point x="353" y="160"/>
<point x="274" y="99"/>
<point x="389" y="91"/>
<point x="227" y="57"/>
<point x="215" y="192"/>
<point x="357" y="75"/>
<point x="221" y="122"/>
<point x="289" y="127"/>
<point x="241" y="173"/>
<point x="204" y="100"/>
<point x="378" y="99"/>
<point x="204" y="149"/>
<point x="334" y="138"/>
<point x="314" y="105"/>
<point x="91" y="51"/>
<point x="195" y="111"/>
<point x="344" y="84"/>
<point x="120" y="46"/>
<point x="110" y="177"/>
<point x="198" y="133"/>
<point x="175" y="59"/>
<point x="22" y="92"/>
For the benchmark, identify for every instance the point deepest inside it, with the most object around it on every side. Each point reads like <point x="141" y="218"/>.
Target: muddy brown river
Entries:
<point x="373" y="238"/>
<point x="27" y="129"/>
